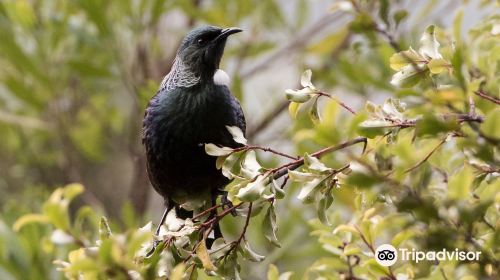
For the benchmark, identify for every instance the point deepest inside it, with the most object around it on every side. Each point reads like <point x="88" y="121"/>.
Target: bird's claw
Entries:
<point x="152" y="250"/>
<point x="227" y="203"/>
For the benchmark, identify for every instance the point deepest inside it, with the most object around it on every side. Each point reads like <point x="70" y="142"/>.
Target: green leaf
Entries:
<point x="314" y="164"/>
<point x="272" y="272"/>
<point x="351" y="249"/>
<point x="409" y="76"/>
<point x="432" y="125"/>
<point x="362" y="180"/>
<point x="253" y="190"/>
<point x="293" y="109"/>
<point x="237" y="134"/>
<point x="324" y="203"/>
<point x="345" y="228"/>
<point x="231" y="166"/>
<point x="270" y="227"/>
<point x="383" y="11"/>
<point x="299" y="96"/>
<point x="305" y="79"/>
<point x="401" y="59"/>
<point x="217" y="151"/>
<point x="202" y="254"/>
<point x="298" y="176"/>
<point x="402" y="236"/>
<point x="429" y="46"/>
<point x="250" y="168"/>
<point x="249" y="254"/>
<point x="220" y="162"/>
<point x="375" y="268"/>
<point x="399" y="16"/>
<point x="371" y="132"/>
<point x="73" y="190"/>
<point x="28" y="219"/>
<point x="278" y="192"/>
<point x="314" y="113"/>
<point x="57" y="214"/>
<point x="178" y="272"/>
<point x="459" y="184"/>
<point x="491" y="124"/>
<point x="104" y="229"/>
<point x="439" y="65"/>
<point x="308" y="191"/>
<point x="457" y="26"/>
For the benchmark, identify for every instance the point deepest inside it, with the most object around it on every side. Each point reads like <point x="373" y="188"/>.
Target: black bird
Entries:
<point x="192" y="107"/>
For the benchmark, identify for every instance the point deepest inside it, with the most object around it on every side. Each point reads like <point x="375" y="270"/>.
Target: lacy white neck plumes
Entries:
<point x="179" y="76"/>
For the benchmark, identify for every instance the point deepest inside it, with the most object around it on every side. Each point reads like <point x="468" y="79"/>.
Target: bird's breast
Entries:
<point x="189" y="117"/>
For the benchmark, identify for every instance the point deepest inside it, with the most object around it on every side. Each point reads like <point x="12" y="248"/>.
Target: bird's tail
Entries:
<point x="182" y="213"/>
<point x="217" y="233"/>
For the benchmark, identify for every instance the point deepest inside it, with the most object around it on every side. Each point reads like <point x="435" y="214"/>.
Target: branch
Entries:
<point x="247" y="222"/>
<point x="265" y="149"/>
<point x="283" y="170"/>
<point x="427" y="157"/>
<point x="461" y="118"/>
<point x="394" y="44"/>
<point x="488" y="97"/>
<point x="339" y="102"/>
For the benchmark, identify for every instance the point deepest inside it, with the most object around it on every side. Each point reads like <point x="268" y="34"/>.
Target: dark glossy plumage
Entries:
<point x="179" y="120"/>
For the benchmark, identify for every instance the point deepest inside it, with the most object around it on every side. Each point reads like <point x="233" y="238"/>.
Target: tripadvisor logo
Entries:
<point x="387" y="255"/>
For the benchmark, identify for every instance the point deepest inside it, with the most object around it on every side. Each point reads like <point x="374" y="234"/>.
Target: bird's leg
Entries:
<point x="216" y="228"/>
<point x="156" y="242"/>
<point x="226" y="202"/>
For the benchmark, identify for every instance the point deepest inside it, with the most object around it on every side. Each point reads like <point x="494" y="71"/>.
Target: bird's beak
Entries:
<point x="226" y="32"/>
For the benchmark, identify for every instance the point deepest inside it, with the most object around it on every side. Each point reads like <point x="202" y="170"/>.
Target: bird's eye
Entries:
<point x="201" y="42"/>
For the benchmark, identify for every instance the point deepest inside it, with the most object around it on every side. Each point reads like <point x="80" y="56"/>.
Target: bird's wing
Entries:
<point x="240" y="117"/>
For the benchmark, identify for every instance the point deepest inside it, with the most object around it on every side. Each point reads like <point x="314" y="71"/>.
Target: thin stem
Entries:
<point x="265" y="149"/>
<point x="206" y="211"/>
<point x="368" y="244"/>
<point x="283" y="170"/>
<point x="426" y="157"/>
<point x="443" y="273"/>
<point x="247" y="222"/>
<point x="338" y="101"/>
<point x="488" y="97"/>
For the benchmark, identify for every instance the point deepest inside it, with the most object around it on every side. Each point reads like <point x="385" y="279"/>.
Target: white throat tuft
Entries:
<point x="221" y="78"/>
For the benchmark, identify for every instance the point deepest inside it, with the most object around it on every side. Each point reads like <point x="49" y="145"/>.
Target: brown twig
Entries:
<point x="426" y="157"/>
<point x="206" y="211"/>
<point x="280" y="171"/>
<point x="461" y="118"/>
<point x="338" y="101"/>
<point x="368" y="244"/>
<point x="265" y="149"/>
<point x="247" y="222"/>
<point x="488" y="97"/>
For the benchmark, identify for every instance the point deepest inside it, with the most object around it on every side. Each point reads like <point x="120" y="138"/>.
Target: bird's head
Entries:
<point x="202" y="48"/>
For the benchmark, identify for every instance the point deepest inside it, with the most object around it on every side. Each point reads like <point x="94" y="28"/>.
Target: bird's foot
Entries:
<point x="226" y="203"/>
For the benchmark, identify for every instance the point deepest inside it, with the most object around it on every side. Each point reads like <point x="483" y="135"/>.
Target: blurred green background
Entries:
<point x="75" y="77"/>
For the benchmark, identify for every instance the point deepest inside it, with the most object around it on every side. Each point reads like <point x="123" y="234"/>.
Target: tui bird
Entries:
<point x="192" y="107"/>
